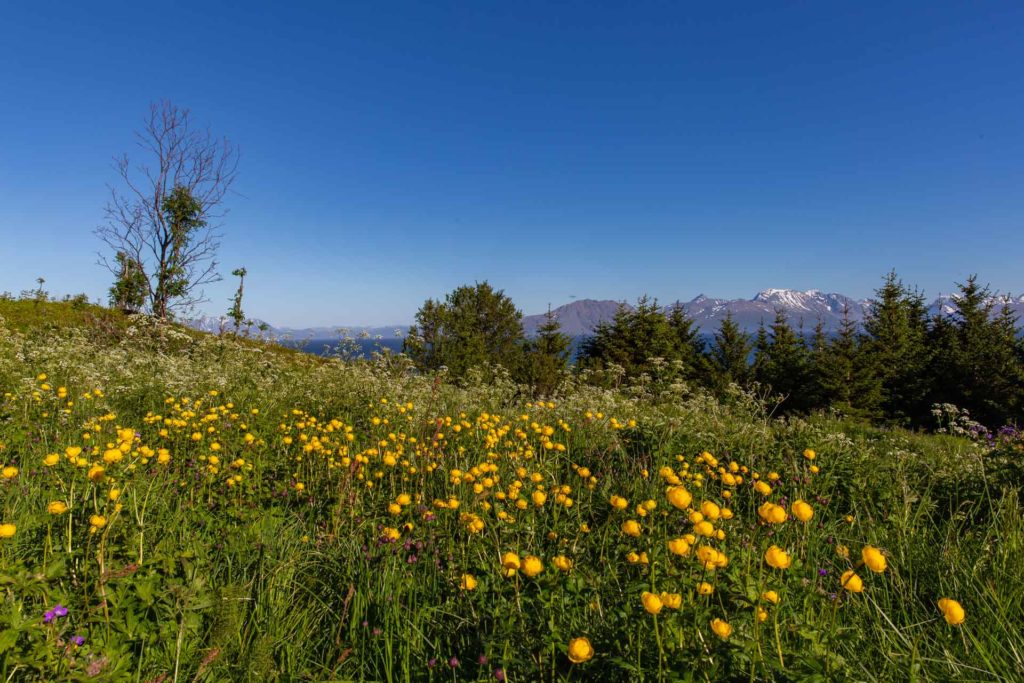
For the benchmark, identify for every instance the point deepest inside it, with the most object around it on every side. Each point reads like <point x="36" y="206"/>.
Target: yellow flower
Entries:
<point x="721" y="628"/>
<point x="809" y="454"/>
<point x="532" y="565"/>
<point x="510" y="561"/>
<point x="468" y="582"/>
<point x="873" y="559"/>
<point x="843" y="552"/>
<point x="672" y="600"/>
<point x="679" y="497"/>
<point x="802" y="511"/>
<point x="679" y="546"/>
<point x="953" y="611"/>
<point x="778" y="558"/>
<point x="772" y="513"/>
<point x="710" y="510"/>
<point x="770" y="596"/>
<point x="763" y="488"/>
<point x="619" y="503"/>
<point x="762" y="614"/>
<point x="51" y="459"/>
<point x="652" y="603"/>
<point x="97" y="522"/>
<point x="562" y="562"/>
<point x="73" y="452"/>
<point x="112" y="455"/>
<point x="580" y="650"/>
<point x="7" y="530"/>
<point x="851" y="582"/>
<point x="57" y="507"/>
<point x="96" y="473"/>
<point x="631" y="527"/>
<point x="704" y="528"/>
<point x="10" y="472"/>
<point x="705" y="588"/>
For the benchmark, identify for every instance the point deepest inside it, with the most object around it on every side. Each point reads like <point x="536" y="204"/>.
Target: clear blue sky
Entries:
<point x="392" y="151"/>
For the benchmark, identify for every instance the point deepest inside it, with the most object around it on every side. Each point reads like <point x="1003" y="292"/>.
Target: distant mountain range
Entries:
<point x="579" y="318"/>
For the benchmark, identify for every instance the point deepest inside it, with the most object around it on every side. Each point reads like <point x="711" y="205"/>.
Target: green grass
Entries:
<point x="193" y="579"/>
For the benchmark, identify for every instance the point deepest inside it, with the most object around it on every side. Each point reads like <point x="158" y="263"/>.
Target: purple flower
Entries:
<point x="431" y="663"/>
<point x="822" y="572"/>
<point x="453" y="662"/>
<point x="499" y="674"/>
<point x="78" y="640"/>
<point x="482" y="659"/>
<point x="58" y="611"/>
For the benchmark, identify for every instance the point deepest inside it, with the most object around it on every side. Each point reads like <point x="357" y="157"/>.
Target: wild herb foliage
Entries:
<point x="177" y="506"/>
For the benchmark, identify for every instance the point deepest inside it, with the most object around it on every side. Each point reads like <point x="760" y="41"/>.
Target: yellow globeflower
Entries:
<point x="953" y="611"/>
<point x="809" y="454"/>
<point x="763" y="488"/>
<point x="96" y="473"/>
<point x="580" y="650"/>
<point x="710" y="510"/>
<point x="468" y="582"/>
<point x="772" y="513"/>
<point x="852" y="582"/>
<point x="97" y="522"/>
<point x="770" y="596"/>
<point x="112" y="455"/>
<point x="705" y="588"/>
<point x="562" y="562"/>
<point x="57" y="507"/>
<point x="778" y="558"/>
<point x="679" y="546"/>
<point x="532" y="565"/>
<point x="619" y="503"/>
<point x="721" y="628"/>
<point x="671" y="600"/>
<point x="762" y="614"/>
<point x="631" y="527"/>
<point x="679" y="497"/>
<point x="802" y="511"/>
<point x="51" y="459"/>
<point x="7" y="530"/>
<point x="873" y="559"/>
<point x="10" y="472"/>
<point x="652" y="603"/>
<point x="510" y="561"/>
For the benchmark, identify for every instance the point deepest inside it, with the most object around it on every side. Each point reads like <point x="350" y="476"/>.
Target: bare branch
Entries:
<point x="175" y="251"/>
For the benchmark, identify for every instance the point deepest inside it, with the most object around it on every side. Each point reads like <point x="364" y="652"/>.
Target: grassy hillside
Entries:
<point x="177" y="506"/>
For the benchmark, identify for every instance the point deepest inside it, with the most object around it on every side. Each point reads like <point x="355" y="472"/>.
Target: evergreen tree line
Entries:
<point x="894" y="366"/>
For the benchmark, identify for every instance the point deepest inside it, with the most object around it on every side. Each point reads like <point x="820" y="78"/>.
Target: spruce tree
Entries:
<point x="547" y="356"/>
<point x="785" y="366"/>
<point x="846" y="377"/>
<point x="896" y="327"/>
<point x="976" y="363"/>
<point x="730" y="356"/>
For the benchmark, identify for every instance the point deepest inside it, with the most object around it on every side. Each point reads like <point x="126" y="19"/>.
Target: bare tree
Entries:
<point x="166" y="215"/>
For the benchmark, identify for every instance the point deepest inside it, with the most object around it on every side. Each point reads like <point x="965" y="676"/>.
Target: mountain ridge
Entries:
<point x="579" y="318"/>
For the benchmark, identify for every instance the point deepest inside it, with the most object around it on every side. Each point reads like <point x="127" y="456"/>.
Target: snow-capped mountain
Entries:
<point x="945" y="304"/>
<point x="579" y="318"/>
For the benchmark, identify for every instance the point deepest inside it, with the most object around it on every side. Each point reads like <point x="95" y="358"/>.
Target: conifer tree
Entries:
<point x="730" y="355"/>
<point x="547" y="356"/>
<point x="784" y="365"/>
<point x="976" y="364"/>
<point x="896" y="327"/>
<point x="847" y="379"/>
<point x="690" y="348"/>
<point x="475" y="325"/>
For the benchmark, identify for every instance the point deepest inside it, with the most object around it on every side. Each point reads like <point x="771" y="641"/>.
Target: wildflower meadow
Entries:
<point x="176" y="506"/>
